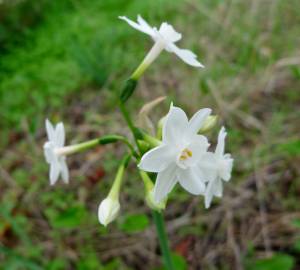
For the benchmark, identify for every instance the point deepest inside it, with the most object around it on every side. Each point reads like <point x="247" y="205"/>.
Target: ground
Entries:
<point x="67" y="60"/>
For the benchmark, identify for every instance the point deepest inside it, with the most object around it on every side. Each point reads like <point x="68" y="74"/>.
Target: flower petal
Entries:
<point x="209" y="193"/>
<point x="186" y="56"/>
<point x="145" y="26"/>
<point x="142" y="26"/>
<point x="218" y="188"/>
<point x="169" y="33"/>
<point x="54" y="172"/>
<point x="221" y="142"/>
<point x="165" y="182"/>
<point x="64" y="170"/>
<point x="50" y="131"/>
<point x="59" y="135"/>
<point x="157" y="159"/>
<point x="227" y="164"/>
<point x="191" y="181"/>
<point x="175" y="125"/>
<point x="197" y="121"/>
<point x="48" y="152"/>
<point x="108" y="210"/>
<point x="208" y="166"/>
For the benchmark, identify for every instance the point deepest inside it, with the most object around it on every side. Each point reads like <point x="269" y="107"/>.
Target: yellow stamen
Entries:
<point x="186" y="153"/>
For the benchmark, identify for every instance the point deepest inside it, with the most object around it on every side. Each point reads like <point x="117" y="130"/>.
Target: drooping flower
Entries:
<point x="165" y="38"/>
<point x="108" y="210"/>
<point x="218" y="167"/>
<point x="178" y="156"/>
<point x="54" y="154"/>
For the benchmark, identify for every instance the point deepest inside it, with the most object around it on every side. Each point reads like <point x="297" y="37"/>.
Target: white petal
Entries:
<point x="60" y="135"/>
<point x="165" y="182"/>
<point x="169" y="33"/>
<point x="48" y="152"/>
<point x="209" y="193"/>
<point x="197" y="121"/>
<point x="218" y="187"/>
<point x="157" y="159"/>
<point x="198" y="146"/>
<point x="191" y="181"/>
<point x="185" y="55"/>
<point x="50" y="131"/>
<point x="64" y="170"/>
<point x="54" y="172"/>
<point x="145" y="26"/>
<point x="175" y="125"/>
<point x="108" y="210"/>
<point x="208" y="166"/>
<point x="221" y="142"/>
<point x="227" y="164"/>
<point x="142" y="26"/>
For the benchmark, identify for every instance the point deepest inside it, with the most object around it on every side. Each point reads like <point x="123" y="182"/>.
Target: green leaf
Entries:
<point x="296" y="223"/>
<point x="69" y="218"/>
<point x="296" y="246"/>
<point x="292" y="148"/>
<point x="276" y="262"/>
<point x="179" y="262"/>
<point x="134" y="223"/>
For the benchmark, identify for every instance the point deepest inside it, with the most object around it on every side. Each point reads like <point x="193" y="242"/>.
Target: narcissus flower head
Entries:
<point x="219" y="166"/>
<point x="178" y="156"/>
<point x="165" y="38"/>
<point x="54" y="154"/>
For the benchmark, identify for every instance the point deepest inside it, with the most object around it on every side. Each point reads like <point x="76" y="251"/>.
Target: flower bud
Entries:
<point x="149" y="198"/>
<point x="209" y="123"/>
<point x="110" y="206"/>
<point x="108" y="210"/>
<point x="152" y="203"/>
<point x="160" y="125"/>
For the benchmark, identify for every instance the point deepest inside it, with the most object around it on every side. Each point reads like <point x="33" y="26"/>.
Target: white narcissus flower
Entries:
<point x="165" y="38"/>
<point x="178" y="156"/>
<point x="218" y="167"/>
<point x="54" y="152"/>
<point x="108" y="210"/>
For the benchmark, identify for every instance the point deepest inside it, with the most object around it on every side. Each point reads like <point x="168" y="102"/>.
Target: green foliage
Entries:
<point x="134" y="223"/>
<point x="292" y="148"/>
<point x="70" y="218"/>
<point x="276" y="262"/>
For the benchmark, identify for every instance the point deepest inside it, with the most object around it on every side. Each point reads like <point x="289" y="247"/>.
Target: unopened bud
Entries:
<point x="209" y="123"/>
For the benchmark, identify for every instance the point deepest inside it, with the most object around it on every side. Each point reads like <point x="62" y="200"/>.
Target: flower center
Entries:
<point x="185" y="154"/>
<point x="184" y="159"/>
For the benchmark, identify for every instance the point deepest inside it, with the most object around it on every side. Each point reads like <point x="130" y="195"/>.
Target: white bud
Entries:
<point x="209" y="123"/>
<point x="151" y="202"/>
<point x="108" y="210"/>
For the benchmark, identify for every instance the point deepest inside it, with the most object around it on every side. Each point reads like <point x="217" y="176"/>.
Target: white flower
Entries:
<point x="108" y="210"/>
<point x="218" y="167"/>
<point x="177" y="158"/>
<point x="54" y="152"/>
<point x="165" y="38"/>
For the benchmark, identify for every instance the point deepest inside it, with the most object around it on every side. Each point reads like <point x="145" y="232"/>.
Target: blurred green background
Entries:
<point x="66" y="60"/>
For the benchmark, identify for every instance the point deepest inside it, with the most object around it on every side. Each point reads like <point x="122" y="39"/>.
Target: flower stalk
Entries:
<point x="163" y="239"/>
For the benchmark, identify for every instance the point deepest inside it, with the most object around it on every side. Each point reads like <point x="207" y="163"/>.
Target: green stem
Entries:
<point x="163" y="239"/>
<point x="129" y="122"/>
<point x="114" y="138"/>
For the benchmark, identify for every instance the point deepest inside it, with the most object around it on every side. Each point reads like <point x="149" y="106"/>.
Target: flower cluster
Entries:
<point x="178" y="154"/>
<point x="182" y="157"/>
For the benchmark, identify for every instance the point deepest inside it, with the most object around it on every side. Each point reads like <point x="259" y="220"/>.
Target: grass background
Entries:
<point x="66" y="60"/>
